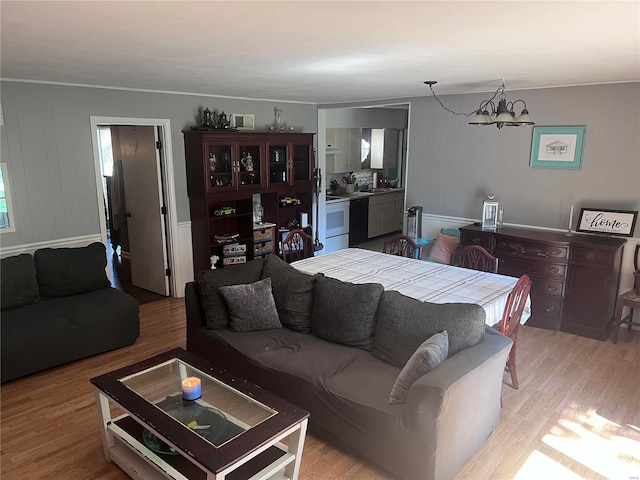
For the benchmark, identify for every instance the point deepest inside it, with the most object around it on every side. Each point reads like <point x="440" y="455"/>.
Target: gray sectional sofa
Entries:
<point x="58" y="306"/>
<point x="362" y="361"/>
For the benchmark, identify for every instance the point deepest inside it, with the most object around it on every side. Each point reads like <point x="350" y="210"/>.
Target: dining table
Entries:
<point x="419" y="279"/>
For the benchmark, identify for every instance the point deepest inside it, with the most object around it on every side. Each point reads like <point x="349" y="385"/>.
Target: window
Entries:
<point x="7" y="220"/>
<point x="106" y="149"/>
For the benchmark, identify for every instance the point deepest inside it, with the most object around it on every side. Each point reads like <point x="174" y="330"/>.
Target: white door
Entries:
<point x="145" y="220"/>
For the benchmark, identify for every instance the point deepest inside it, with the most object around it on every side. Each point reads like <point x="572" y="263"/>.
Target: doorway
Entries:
<point x="138" y="218"/>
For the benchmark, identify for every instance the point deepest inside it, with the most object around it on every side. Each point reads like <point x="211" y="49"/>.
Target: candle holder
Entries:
<point x="191" y="388"/>
<point x="570" y="232"/>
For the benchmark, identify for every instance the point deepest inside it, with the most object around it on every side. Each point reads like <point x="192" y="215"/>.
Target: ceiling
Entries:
<point x="320" y="52"/>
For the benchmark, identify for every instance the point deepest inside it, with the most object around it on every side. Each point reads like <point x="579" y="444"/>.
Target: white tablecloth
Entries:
<point x="426" y="281"/>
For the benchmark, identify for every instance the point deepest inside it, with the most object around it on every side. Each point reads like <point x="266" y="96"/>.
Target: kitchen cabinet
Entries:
<point x="344" y="149"/>
<point x="384" y="148"/>
<point x="574" y="278"/>
<point x="226" y="168"/>
<point x="386" y="213"/>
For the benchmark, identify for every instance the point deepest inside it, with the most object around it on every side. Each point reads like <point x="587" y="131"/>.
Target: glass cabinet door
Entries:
<point x="278" y="163"/>
<point x="220" y="165"/>
<point x="250" y="165"/>
<point x="301" y="165"/>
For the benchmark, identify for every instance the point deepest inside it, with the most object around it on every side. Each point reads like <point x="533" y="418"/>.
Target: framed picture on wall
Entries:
<point x="557" y="147"/>
<point x="613" y="222"/>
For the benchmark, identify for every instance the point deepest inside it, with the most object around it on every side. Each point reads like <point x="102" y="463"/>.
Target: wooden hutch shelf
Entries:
<point x="226" y="168"/>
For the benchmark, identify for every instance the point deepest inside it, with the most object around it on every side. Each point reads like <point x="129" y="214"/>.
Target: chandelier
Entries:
<point x="493" y="112"/>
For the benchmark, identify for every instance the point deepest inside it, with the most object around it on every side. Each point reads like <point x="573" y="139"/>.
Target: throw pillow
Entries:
<point x="428" y="356"/>
<point x="19" y="281"/>
<point x="251" y="307"/>
<point x="443" y="248"/>
<point x="404" y="323"/>
<point x="345" y="312"/>
<point x="292" y="291"/>
<point x="213" y="304"/>
<point x="71" y="271"/>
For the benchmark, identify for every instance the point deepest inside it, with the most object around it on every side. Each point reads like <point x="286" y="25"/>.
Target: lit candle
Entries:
<point x="571" y="217"/>
<point x="191" y="388"/>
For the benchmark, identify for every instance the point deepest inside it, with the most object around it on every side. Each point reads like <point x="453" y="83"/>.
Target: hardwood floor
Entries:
<point x="576" y="415"/>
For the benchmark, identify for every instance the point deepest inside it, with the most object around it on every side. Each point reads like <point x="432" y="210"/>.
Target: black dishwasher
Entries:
<point x="358" y="221"/>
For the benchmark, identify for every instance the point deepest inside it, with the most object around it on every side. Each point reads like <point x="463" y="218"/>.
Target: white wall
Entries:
<point x="452" y="166"/>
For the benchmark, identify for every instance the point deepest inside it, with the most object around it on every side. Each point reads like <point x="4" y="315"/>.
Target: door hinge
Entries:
<point x="159" y="145"/>
<point x="163" y="210"/>
<point x="167" y="272"/>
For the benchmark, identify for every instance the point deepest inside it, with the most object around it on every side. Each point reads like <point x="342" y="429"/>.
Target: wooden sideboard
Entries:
<point x="574" y="277"/>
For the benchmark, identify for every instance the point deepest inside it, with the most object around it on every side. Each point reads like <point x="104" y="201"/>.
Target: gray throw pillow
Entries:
<point x="19" y="281"/>
<point x="71" y="271"/>
<point x="292" y="291"/>
<point x="213" y="304"/>
<point x="404" y="323"/>
<point x="251" y="307"/>
<point x="429" y="355"/>
<point x="345" y="312"/>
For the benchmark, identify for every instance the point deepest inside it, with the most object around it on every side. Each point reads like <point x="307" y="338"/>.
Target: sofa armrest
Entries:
<point x="455" y="407"/>
<point x="196" y="318"/>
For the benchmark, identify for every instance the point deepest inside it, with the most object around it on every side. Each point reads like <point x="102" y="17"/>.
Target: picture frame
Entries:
<point x="557" y="147"/>
<point x="603" y="220"/>
<point x="243" y="121"/>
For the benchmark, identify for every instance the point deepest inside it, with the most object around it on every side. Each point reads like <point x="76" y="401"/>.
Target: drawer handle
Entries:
<point x="554" y="270"/>
<point x="552" y="289"/>
<point x="501" y="244"/>
<point x="556" y="252"/>
<point x="591" y="256"/>
<point x="550" y="309"/>
<point x="475" y="240"/>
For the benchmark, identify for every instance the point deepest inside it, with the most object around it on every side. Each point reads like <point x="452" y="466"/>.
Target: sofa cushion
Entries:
<point x="71" y="271"/>
<point x="345" y="312"/>
<point x="404" y="323"/>
<point x="428" y="356"/>
<point x="251" y="307"/>
<point x="213" y="304"/>
<point x="292" y="291"/>
<point x="19" y="281"/>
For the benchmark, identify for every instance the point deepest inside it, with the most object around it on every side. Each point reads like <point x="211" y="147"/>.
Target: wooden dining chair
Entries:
<point x="297" y="245"/>
<point x="629" y="299"/>
<point x="510" y="323"/>
<point x="402" y="246"/>
<point x="476" y="257"/>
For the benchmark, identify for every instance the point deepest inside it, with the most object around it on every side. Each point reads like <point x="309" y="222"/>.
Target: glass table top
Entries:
<point x="214" y="410"/>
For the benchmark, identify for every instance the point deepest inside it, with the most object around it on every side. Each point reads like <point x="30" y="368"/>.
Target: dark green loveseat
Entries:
<point x="58" y="306"/>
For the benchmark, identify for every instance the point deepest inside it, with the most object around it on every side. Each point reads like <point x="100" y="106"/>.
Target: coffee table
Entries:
<point x="235" y="430"/>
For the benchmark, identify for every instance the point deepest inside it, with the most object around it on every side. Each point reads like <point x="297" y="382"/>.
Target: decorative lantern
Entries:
<point x="490" y="209"/>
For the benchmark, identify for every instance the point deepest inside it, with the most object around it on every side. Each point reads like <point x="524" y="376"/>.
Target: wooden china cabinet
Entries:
<point x="574" y="278"/>
<point x="226" y="168"/>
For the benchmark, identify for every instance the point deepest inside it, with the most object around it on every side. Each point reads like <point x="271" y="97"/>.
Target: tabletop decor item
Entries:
<point x="278" y="125"/>
<point x="243" y="121"/>
<point x="557" y="147"/>
<point x="490" y="209"/>
<point x="191" y="388"/>
<point x="602" y="220"/>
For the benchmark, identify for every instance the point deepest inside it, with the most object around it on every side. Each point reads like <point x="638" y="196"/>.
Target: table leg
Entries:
<point x="296" y="444"/>
<point x="104" y="412"/>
